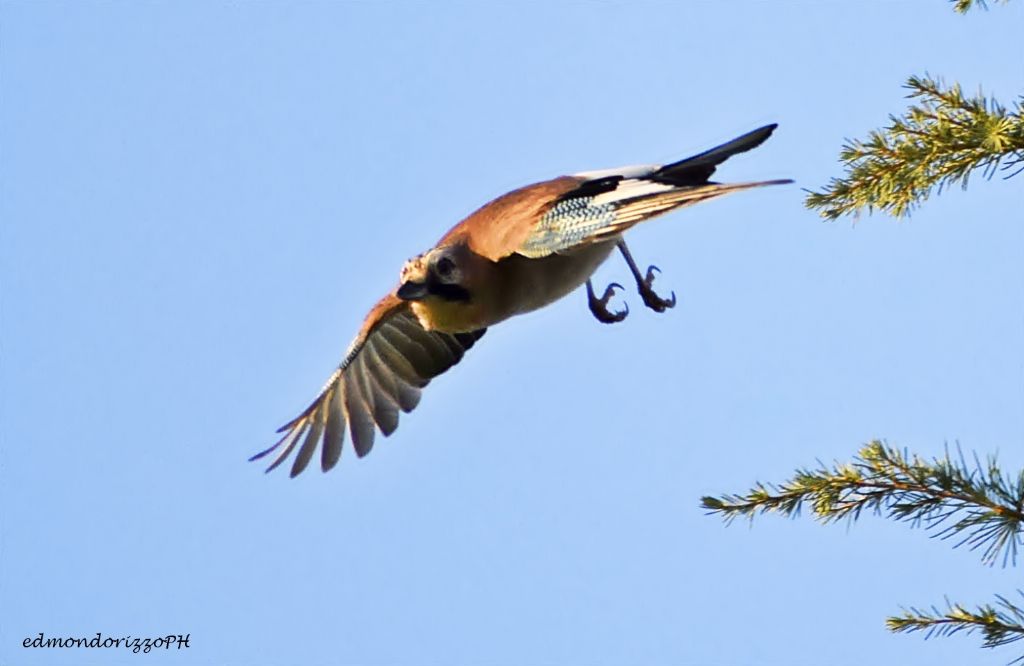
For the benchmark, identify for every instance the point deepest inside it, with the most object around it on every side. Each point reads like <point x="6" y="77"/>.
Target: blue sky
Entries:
<point x="200" y="201"/>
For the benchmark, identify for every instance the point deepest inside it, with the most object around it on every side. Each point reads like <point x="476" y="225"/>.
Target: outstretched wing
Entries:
<point x="607" y="203"/>
<point x="386" y="366"/>
<point x="559" y="214"/>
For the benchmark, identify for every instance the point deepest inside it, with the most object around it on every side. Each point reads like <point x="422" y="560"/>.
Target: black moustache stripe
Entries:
<point x="448" y="292"/>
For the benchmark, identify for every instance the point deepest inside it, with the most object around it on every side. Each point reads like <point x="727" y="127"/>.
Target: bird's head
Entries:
<point x="438" y="273"/>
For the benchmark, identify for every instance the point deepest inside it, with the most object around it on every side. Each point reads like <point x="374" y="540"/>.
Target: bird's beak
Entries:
<point x="413" y="291"/>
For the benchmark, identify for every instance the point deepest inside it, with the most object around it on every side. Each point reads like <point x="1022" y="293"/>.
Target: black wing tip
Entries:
<point x="696" y="170"/>
<point x="264" y="452"/>
<point x="758" y="136"/>
<point x="744" y="142"/>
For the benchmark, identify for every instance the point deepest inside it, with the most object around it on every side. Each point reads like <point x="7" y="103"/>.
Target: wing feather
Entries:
<point x="420" y="356"/>
<point x="438" y="357"/>
<point x="305" y="453"/>
<point x="385" y="409"/>
<point x="334" y="432"/>
<point x="610" y="201"/>
<point x="401" y="364"/>
<point x="359" y="416"/>
<point x="408" y="384"/>
<point x="391" y="359"/>
<point x="289" y="440"/>
<point x="404" y="395"/>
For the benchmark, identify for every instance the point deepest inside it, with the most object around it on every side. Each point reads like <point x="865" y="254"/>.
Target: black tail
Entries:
<point x="697" y="169"/>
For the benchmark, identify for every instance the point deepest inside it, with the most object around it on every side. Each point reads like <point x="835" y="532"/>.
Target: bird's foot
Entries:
<point x="599" y="306"/>
<point x="652" y="299"/>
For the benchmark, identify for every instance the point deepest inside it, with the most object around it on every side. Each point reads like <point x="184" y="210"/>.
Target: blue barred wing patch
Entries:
<point x="610" y="201"/>
<point x="569" y="223"/>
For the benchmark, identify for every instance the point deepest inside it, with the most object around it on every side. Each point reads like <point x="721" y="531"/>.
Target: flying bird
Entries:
<point x="520" y="252"/>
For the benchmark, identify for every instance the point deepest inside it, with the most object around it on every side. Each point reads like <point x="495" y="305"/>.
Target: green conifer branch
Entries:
<point x="979" y="506"/>
<point x="999" y="624"/>
<point x="939" y="141"/>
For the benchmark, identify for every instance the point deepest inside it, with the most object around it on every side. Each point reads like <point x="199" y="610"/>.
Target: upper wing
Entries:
<point x="559" y="214"/>
<point x="581" y="219"/>
<point x="390" y="360"/>
<point x="501" y="226"/>
<point x="606" y="203"/>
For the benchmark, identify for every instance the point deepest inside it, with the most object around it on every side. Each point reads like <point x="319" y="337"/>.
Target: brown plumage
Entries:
<point x="500" y="227"/>
<point x="517" y="253"/>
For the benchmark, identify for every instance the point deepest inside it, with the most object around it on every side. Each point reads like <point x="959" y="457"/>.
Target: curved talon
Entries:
<point x="652" y="299"/>
<point x="599" y="306"/>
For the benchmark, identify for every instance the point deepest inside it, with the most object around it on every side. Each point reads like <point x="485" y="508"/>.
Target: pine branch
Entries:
<point x="962" y="6"/>
<point x="939" y="141"/>
<point x="999" y="625"/>
<point x="980" y="506"/>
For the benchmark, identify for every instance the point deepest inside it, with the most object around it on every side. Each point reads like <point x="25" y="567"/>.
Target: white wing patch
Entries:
<point x="635" y="171"/>
<point x="631" y="188"/>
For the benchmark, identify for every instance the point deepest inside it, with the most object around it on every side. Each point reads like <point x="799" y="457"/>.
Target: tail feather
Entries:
<point x="630" y="212"/>
<point x="697" y="169"/>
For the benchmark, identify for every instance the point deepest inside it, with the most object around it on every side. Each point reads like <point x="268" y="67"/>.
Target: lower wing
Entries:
<point x="391" y="359"/>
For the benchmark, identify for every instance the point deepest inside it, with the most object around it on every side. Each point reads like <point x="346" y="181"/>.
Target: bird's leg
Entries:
<point x="599" y="306"/>
<point x="643" y="284"/>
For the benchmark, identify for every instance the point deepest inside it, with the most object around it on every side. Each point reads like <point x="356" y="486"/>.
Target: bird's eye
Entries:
<point x="445" y="267"/>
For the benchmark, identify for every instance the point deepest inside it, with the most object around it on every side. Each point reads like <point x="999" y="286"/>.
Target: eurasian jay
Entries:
<point x="518" y="253"/>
